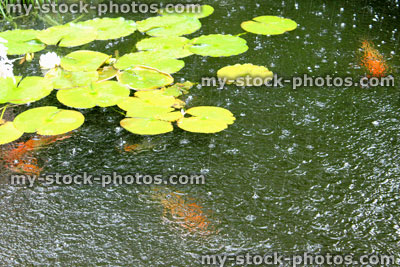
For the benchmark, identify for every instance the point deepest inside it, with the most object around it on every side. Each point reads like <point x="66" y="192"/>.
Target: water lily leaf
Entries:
<point x="68" y="35"/>
<point x="28" y="90"/>
<point x="146" y="126"/>
<point x="192" y="11"/>
<point x="20" y="42"/>
<point x="83" y="60"/>
<point x="150" y="59"/>
<point x="48" y="120"/>
<point x="111" y="28"/>
<point x="107" y="73"/>
<point x="216" y="113"/>
<point x="104" y="94"/>
<point x="8" y="133"/>
<point x="218" y="45"/>
<point x="172" y="46"/>
<point x="169" y="25"/>
<point x="206" y="120"/>
<point x="237" y="73"/>
<point x="144" y="78"/>
<point x="201" y="125"/>
<point x="178" y="89"/>
<point x="269" y="25"/>
<point x="62" y="79"/>
<point x="147" y="111"/>
<point x="156" y="97"/>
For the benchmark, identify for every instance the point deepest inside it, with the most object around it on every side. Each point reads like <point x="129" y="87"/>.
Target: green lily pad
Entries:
<point x="111" y="28"/>
<point x="48" y="121"/>
<point x="269" y="25"/>
<point x="83" y="60"/>
<point x="178" y="89"/>
<point x="146" y="126"/>
<point x="206" y="120"/>
<point x="150" y="59"/>
<point x="144" y="78"/>
<point x="244" y="73"/>
<point x="20" y="42"/>
<point x="192" y="11"/>
<point x="8" y="133"/>
<point x="173" y="46"/>
<point x="104" y="94"/>
<point x="107" y="73"/>
<point x="218" y="45"/>
<point x="169" y="25"/>
<point x="30" y="89"/>
<point x="68" y="35"/>
<point x="62" y="79"/>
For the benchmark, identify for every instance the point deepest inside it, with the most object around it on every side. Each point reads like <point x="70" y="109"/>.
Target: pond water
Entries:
<point x="314" y="169"/>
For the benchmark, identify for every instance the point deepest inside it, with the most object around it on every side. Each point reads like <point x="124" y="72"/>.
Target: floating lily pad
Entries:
<point x="20" y="42"/>
<point x="68" y="35"/>
<point x="169" y="25"/>
<point x="269" y="25"/>
<point x="218" y="45"/>
<point x="30" y="89"/>
<point x="178" y="89"/>
<point x="144" y="78"/>
<point x="107" y="73"/>
<point x="83" y="60"/>
<point x="244" y="74"/>
<point x="62" y="79"/>
<point x="192" y="11"/>
<point x="150" y="59"/>
<point x="104" y="94"/>
<point x="206" y="120"/>
<point x="48" y="121"/>
<point x="111" y="28"/>
<point x="8" y="133"/>
<point x="173" y="46"/>
<point x="146" y="126"/>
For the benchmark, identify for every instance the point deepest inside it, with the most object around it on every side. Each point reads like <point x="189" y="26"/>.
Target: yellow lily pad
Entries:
<point x="237" y="74"/>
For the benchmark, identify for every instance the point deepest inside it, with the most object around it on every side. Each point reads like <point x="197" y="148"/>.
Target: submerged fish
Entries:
<point x="20" y="159"/>
<point x="185" y="212"/>
<point x="373" y="61"/>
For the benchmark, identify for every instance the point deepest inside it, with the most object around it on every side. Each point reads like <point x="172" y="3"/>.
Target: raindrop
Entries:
<point x="343" y="25"/>
<point x="296" y="5"/>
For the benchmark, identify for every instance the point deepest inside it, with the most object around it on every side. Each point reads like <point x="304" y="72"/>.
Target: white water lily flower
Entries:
<point x="6" y="65"/>
<point x="49" y="61"/>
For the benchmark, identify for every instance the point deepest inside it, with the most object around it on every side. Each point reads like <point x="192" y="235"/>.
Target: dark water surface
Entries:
<point x="309" y="170"/>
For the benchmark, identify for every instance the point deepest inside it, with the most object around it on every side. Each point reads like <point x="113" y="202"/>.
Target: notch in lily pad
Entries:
<point x="206" y="120"/>
<point x="48" y="120"/>
<point x="269" y="25"/>
<point x="218" y="45"/>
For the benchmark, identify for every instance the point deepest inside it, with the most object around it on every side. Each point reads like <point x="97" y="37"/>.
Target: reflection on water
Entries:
<point x="314" y="169"/>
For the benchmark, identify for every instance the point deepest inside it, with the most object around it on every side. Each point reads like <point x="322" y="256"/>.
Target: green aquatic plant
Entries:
<point x="103" y="94"/>
<point x="68" y="35"/>
<point x="173" y="46"/>
<point x="144" y="78"/>
<point x="269" y="25"/>
<point x="205" y="11"/>
<point x="111" y="28"/>
<point x="48" y="120"/>
<point x="8" y="132"/>
<point x="169" y="25"/>
<point x="218" y="45"/>
<point x="237" y="73"/>
<point x="20" y="42"/>
<point x="152" y="59"/>
<point x="206" y="119"/>
<point x="62" y="79"/>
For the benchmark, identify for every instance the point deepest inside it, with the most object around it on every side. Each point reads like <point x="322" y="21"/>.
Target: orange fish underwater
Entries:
<point x="20" y="160"/>
<point x="373" y="61"/>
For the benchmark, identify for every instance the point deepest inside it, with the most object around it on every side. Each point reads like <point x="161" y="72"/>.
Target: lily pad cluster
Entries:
<point x="139" y="83"/>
